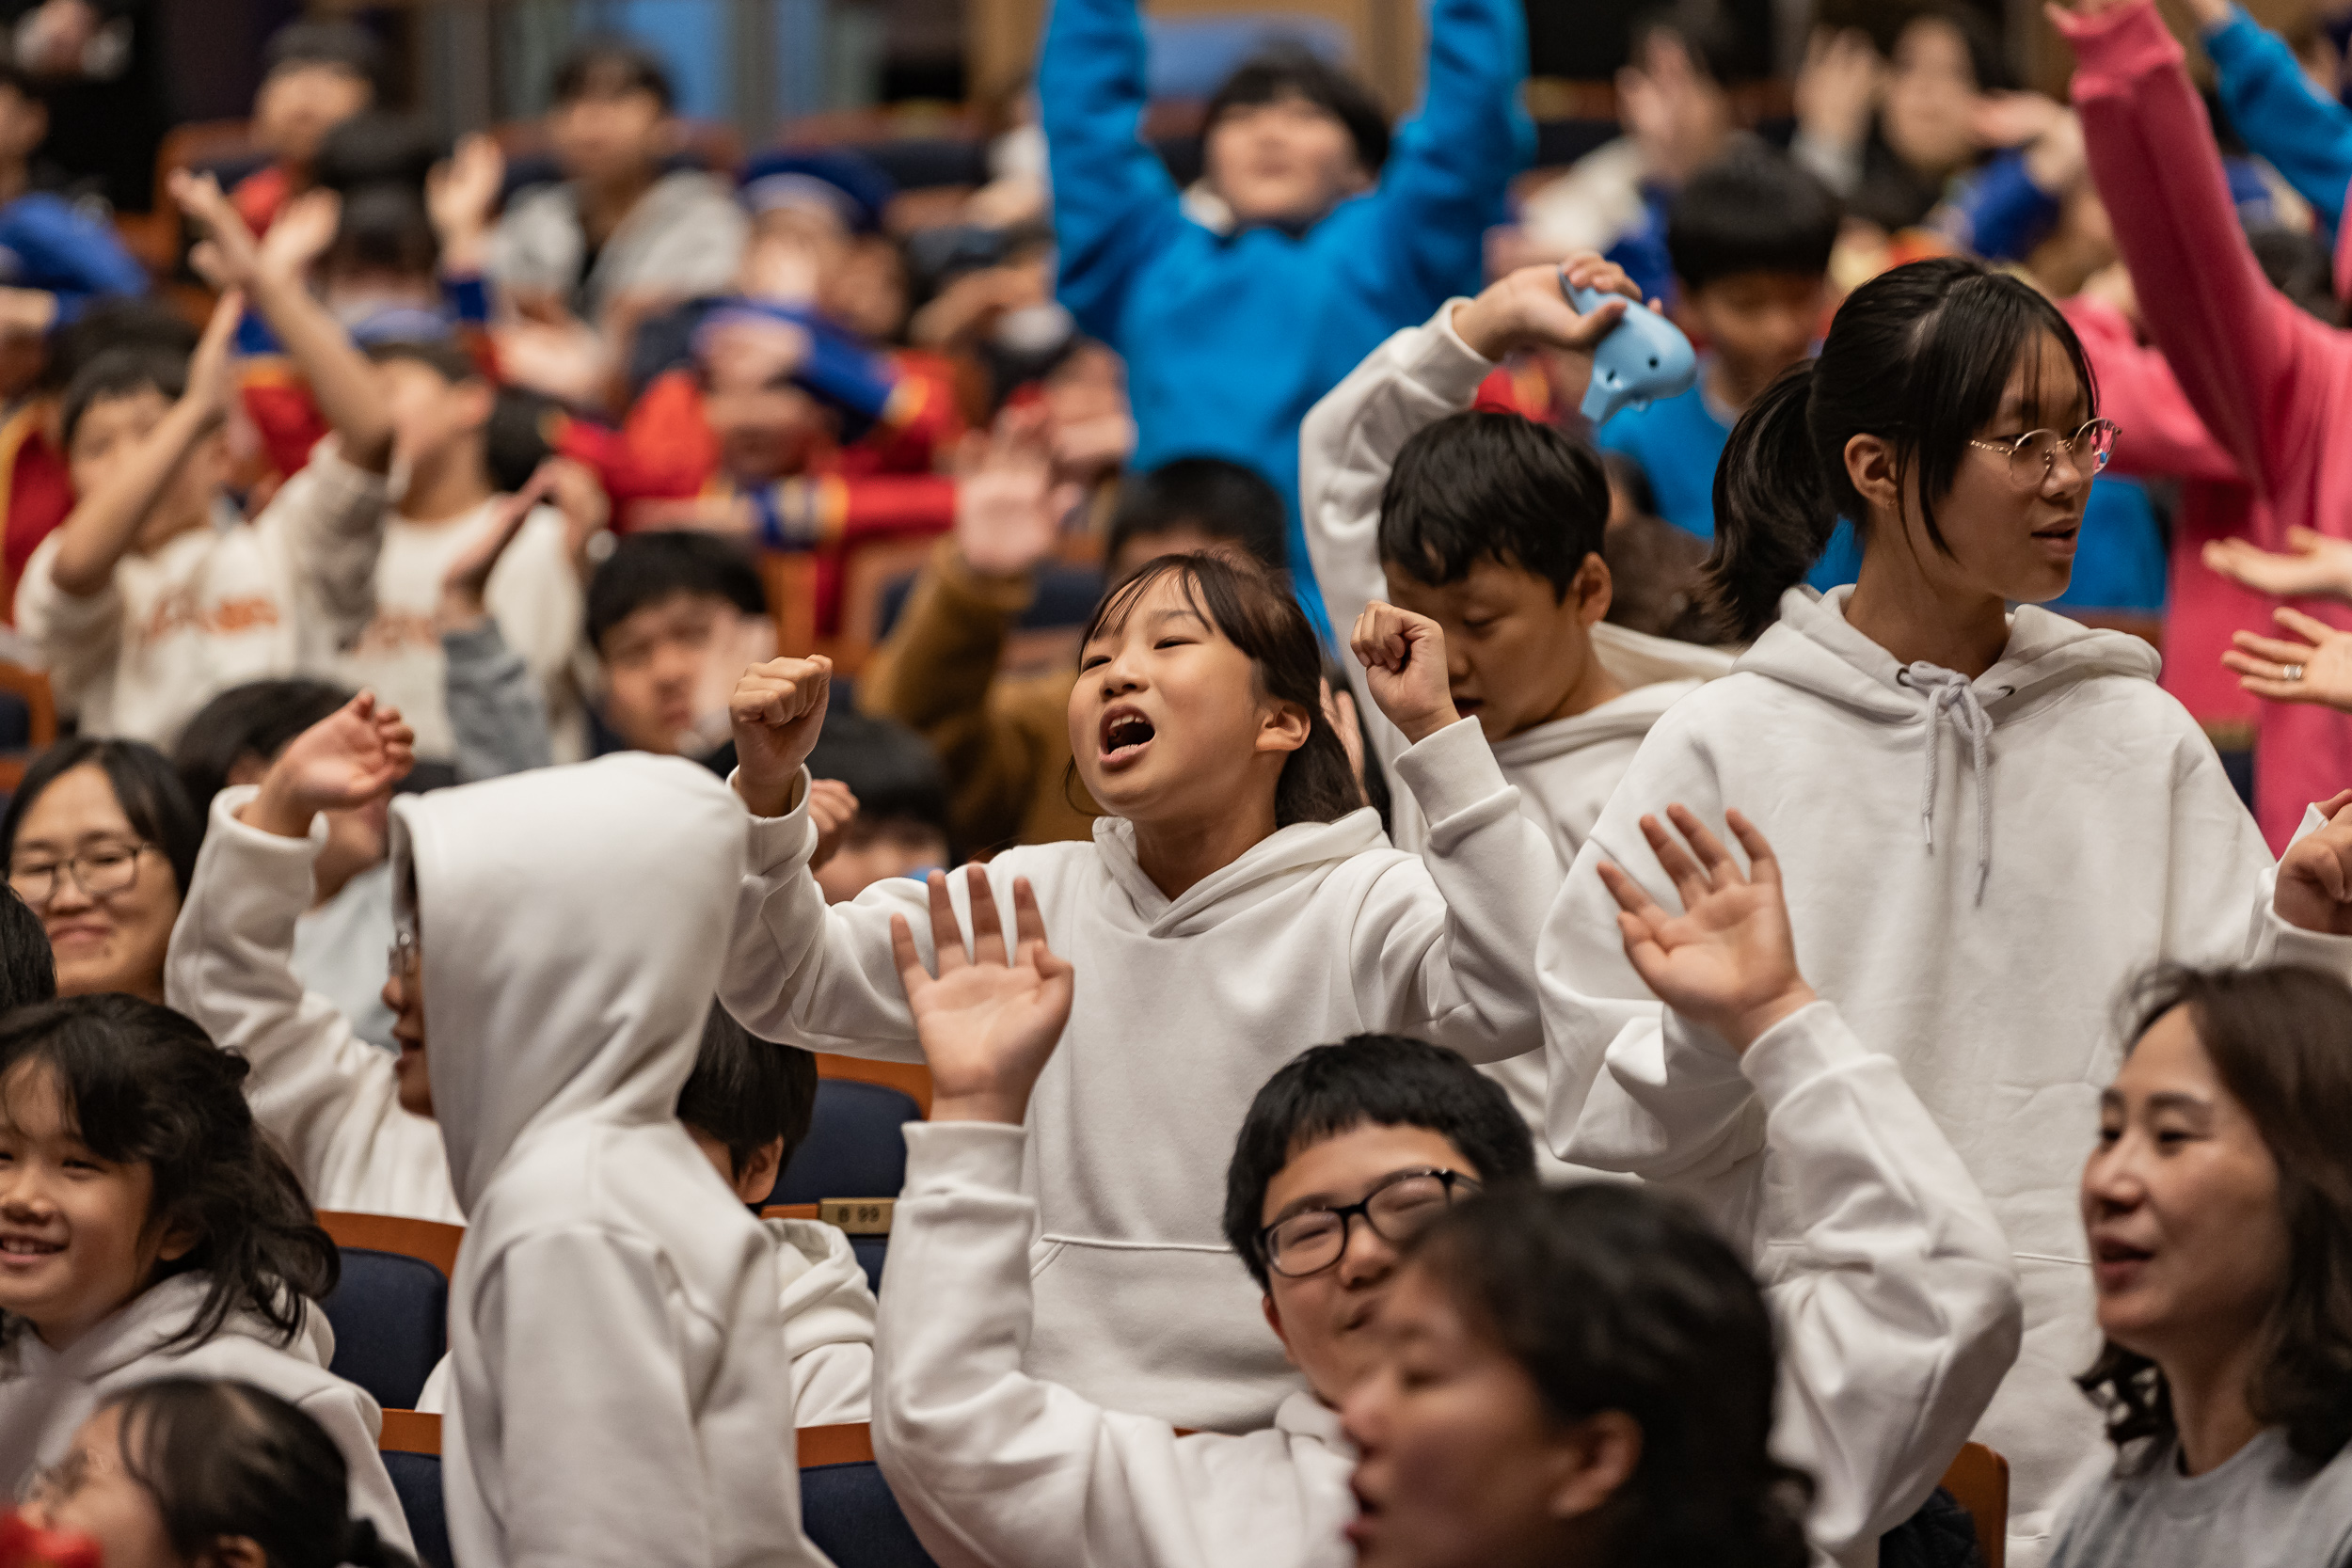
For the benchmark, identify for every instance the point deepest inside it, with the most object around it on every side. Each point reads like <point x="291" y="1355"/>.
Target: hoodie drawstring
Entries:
<point x="1951" y="694"/>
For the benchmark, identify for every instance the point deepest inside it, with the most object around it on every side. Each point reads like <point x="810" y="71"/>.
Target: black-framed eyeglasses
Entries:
<point x="99" y="871"/>
<point x="2033" y="456"/>
<point x="1398" y="1209"/>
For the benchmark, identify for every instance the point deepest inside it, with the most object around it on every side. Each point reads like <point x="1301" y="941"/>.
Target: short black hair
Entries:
<point x="253" y="722"/>
<point x="1753" y="209"/>
<point x="385" y="226"/>
<point x="315" y="41"/>
<point x="1222" y="498"/>
<point x="1486" y="485"/>
<point x="612" y="64"/>
<point x="114" y="322"/>
<point x="146" y="787"/>
<point x="1716" y="49"/>
<point x="444" y="358"/>
<point x="894" y="773"/>
<point x="646" y="568"/>
<point x="121" y="373"/>
<point x="1376" y="1079"/>
<point x="28" y="966"/>
<point x="1291" y="70"/>
<point x="746" y="1092"/>
<point x="376" y="146"/>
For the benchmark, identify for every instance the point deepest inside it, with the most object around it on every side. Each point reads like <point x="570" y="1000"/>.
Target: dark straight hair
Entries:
<point x="2280" y="1041"/>
<point x="149" y="790"/>
<point x="1613" y="1297"/>
<point x="1487" y="485"/>
<point x="1920" y="355"/>
<point x="1262" y="620"/>
<point x="746" y="1093"/>
<point x="223" y="1459"/>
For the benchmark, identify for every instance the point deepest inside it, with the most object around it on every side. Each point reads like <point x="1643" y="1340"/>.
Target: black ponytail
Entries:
<point x="1920" y="355"/>
<point x="224" y="1460"/>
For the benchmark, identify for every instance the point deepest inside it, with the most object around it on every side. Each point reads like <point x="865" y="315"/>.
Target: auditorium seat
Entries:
<point x="390" y="1310"/>
<point x="854" y="1147"/>
<point x="411" y="1446"/>
<point x="847" y="1508"/>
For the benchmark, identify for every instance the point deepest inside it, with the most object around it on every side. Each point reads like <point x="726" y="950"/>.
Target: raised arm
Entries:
<point x="100" y="529"/>
<point x="329" y="1098"/>
<point x="1450" y="171"/>
<point x="2253" y="364"/>
<point x="275" y="273"/>
<point x="2306" y="137"/>
<point x="1114" y="204"/>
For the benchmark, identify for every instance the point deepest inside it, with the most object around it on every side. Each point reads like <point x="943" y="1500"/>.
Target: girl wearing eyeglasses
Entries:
<point x="1991" y="818"/>
<point x="101" y="841"/>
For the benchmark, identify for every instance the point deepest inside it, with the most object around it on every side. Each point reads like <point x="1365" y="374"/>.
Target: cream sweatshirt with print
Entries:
<point x="1974" y="870"/>
<point x="212" y="608"/>
<point x="332" y="1100"/>
<point x="1183" y="1008"/>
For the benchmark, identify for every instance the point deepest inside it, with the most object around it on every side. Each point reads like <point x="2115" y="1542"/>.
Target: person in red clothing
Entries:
<point x="2272" y="385"/>
<point x="319" y="74"/>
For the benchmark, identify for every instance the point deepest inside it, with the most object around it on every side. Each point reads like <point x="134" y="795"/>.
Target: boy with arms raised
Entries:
<point x="1346" y="1154"/>
<point x="142" y="608"/>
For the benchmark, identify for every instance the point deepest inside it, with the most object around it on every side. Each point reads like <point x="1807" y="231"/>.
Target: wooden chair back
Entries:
<point x="1979" y="1479"/>
<point x="427" y="1240"/>
<point x="409" y="1431"/>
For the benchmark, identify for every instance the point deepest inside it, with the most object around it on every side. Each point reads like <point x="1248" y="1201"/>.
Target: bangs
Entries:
<point x="1112" y="614"/>
<point x="92" y="1090"/>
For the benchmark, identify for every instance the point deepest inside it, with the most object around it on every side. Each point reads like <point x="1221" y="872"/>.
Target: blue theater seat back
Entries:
<point x="848" y="1511"/>
<point x="390" y="1317"/>
<point x="854" y="1147"/>
<point x="416" y="1479"/>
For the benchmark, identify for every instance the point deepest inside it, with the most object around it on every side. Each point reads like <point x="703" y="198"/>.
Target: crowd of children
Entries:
<point x="1494" y="985"/>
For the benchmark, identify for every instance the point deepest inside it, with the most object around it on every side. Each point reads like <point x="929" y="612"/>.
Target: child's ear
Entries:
<point x="1592" y="589"/>
<point x="1871" y="463"/>
<point x="1594" y="1458"/>
<point x="756" y="1177"/>
<point x="1283" y="727"/>
<point x="1274" y="1321"/>
<point x="236" y="1551"/>
<point x="180" y="1239"/>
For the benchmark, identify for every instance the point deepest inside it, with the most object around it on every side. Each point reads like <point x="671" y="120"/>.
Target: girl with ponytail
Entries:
<point x="1989" y="818"/>
<point x="189" y="1473"/>
<point x="148" y="1230"/>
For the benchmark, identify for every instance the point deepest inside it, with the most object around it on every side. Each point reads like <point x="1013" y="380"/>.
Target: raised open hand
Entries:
<point x="777" y="714"/>
<point x="305" y="228"/>
<point x="345" y="760"/>
<point x="2315" y="666"/>
<point x="1838" y="87"/>
<point x="1727" y="961"/>
<point x="467" y="580"/>
<point x="2313" y="564"/>
<point x="1404" y="667"/>
<point x="988" y="1026"/>
<point x="460" y="191"/>
<point x="1009" y="509"/>
<point x="229" y="256"/>
<point x="212" y="368"/>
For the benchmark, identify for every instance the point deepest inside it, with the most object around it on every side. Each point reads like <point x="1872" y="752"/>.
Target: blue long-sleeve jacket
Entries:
<point x="45" y="243"/>
<point x="2306" y="137"/>
<point x="1231" y="338"/>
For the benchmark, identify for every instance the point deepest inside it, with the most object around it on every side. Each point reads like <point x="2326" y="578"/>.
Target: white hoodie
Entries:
<point x="617" y="1394"/>
<point x="45" y="1396"/>
<point x="2104" y="835"/>
<point x="332" y="1100"/>
<point x="1183" y="1008"/>
<point x="1896" y="1308"/>
<point x="1566" y="769"/>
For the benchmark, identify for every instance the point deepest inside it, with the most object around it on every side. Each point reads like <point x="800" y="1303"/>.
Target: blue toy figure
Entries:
<point x="1643" y="359"/>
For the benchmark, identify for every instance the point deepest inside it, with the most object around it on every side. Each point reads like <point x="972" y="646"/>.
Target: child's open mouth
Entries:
<point x="1126" y="733"/>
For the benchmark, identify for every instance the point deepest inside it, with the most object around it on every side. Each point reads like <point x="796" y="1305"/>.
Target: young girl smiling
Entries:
<point x="1238" y="904"/>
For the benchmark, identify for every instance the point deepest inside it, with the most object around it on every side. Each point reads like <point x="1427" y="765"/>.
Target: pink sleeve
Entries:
<point x="2163" y="437"/>
<point x="2253" y="367"/>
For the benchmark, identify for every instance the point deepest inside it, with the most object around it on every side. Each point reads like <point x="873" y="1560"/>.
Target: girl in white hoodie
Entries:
<point x="1238" y="904"/>
<point x="147" y="1229"/>
<point x="358" y="1123"/>
<point x="1991" y="820"/>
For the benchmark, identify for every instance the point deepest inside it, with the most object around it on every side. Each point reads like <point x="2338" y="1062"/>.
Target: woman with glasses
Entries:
<point x="101" y="841"/>
<point x="1991" y="817"/>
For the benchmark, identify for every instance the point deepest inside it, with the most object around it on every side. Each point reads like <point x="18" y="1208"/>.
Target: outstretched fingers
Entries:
<point x="912" y="975"/>
<point x="988" y="927"/>
<point x="946" y="936"/>
<point x="1763" y="865"/>
<point x="1721" y="869"/>
<point x="1690" y="883"/>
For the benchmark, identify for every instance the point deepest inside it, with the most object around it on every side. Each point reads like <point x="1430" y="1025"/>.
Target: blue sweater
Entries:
<point x="2306" y="137"/>
<point x="1230" y="339"/>
<point x="45" y="243"/>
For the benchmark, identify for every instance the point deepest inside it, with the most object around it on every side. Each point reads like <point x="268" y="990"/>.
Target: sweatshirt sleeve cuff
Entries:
<point x="1441" y="361"/>
<point x="778" y="843"/>
<point x="2115" y="46"/>
<point x="1451" y="772"/>
<point x="2233" y="42"/>
<point x="258" y="846"/>
<point x="1799" y="1048"/>
<point x="943" y="1155"/>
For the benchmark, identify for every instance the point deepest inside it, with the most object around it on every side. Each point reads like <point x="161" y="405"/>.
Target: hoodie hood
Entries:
<point x="147" y="1323"/>
<point x="573" y="922"/>
<point x="1265" y="870"/>
<point x="1813" y="647"/>
<point x="1626" y="717"/>
<point x="825" y="1298"/>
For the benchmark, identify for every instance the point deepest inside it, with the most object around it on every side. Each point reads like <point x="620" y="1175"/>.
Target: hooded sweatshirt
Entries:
<point x="1564" y="769"/>
<point x="1974" y="870"/>
<point x="616" y="1396"/>
<point x="332" y="1100"/>
<point x="46" y="1395"/>
<point x="1183" y="1008"/>
<point x="1883" y="1367"/>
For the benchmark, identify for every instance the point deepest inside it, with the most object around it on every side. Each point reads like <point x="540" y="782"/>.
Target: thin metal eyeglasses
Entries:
<point x="401" y="958"/>
<point x="1399" y="1208"/>
<point x="2033" y="456"/>
<point x="99" y="871"/>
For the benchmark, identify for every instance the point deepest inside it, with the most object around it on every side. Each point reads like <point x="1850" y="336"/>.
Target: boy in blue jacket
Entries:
<point x="1329" y="237"/>
<point x="53" y="257"/>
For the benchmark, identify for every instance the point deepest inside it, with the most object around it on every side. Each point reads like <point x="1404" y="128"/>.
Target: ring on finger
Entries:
<point x="2289" y="672"/>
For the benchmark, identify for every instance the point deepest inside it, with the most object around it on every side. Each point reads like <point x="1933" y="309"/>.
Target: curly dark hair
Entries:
<point x="2280" y="1040"/>
<point x="140" y="1083"/>
<point x="1613" y="1297"/>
